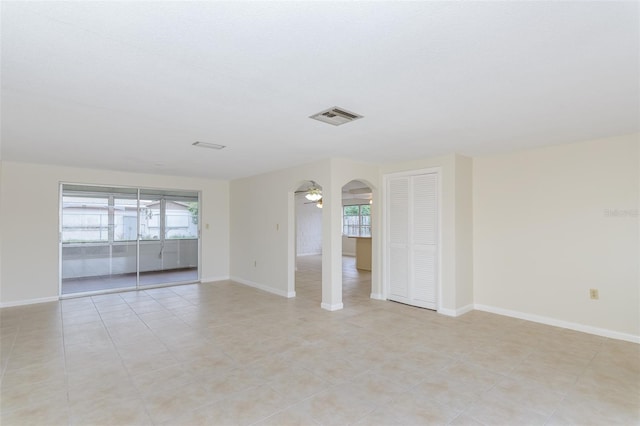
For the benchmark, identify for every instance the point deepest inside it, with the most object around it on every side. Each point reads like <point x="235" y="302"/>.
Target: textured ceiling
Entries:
<point x="131" y="85"/>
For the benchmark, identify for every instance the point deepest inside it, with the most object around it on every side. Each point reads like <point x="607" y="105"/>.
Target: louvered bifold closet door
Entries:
<point x="398" y="222"/>
<point x="423" y="240"/>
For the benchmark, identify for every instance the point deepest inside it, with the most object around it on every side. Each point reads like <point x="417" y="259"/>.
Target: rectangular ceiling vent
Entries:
<point x="336" y="116"/>
<point x="208" y="145"/>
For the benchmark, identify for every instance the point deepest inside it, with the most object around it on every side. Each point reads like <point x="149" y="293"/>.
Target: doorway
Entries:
<point x="308" y="242"/>
<point x="357" y="201"/>
<point x="117" y="238"/>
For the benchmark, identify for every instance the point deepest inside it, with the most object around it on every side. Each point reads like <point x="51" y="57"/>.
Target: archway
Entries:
<point x="307" y="231"/>
<point x="357" y="254"/>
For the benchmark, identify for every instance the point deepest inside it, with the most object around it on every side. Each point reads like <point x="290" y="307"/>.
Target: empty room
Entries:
<point x="320" y="213"/>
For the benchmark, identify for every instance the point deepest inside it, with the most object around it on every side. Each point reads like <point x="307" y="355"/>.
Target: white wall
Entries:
<point x="262" y="248"/>
<point x="29" y="223"/>
<point x="551" y="223"/>
<point x="262" y="224"/>
<point x="308" y="227"/>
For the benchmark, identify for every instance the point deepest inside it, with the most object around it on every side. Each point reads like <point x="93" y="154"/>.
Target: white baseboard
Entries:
<point x="29" y="301"/>
<point x="309" y="254"/>
<point x="378" y="296"/>
<point x="560" y="323"/>
<point x="330" y="307"/>
<point x="344" y="253"/>
<point x="213" y="279"/>
<point x="264" y="287"/>
<point x="456" y="312"/>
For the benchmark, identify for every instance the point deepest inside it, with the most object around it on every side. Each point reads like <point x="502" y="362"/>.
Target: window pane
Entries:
<point x="181" y="220"/>
<point x="351" y="225"/>
<point x="85" y="219"/>
<point x="351" y="210"/>
<point x="149" y="219"/>
<point x="365" y="210"/>
<point x="125" y="219"/>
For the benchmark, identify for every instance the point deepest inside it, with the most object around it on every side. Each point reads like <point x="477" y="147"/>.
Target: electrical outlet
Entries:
<point x="593" y="293"/>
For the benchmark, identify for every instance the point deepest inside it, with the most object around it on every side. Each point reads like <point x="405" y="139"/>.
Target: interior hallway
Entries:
<point x="223" y="353"/>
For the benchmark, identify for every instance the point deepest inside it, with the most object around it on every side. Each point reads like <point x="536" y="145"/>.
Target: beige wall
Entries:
<point x="525" y="234"/>
<point x="29" y="223"/>
<point x="464" y="232"/>
<point x="260" y="212"/>
<point x="263" y="229"/>
<point x="551" y="223"/>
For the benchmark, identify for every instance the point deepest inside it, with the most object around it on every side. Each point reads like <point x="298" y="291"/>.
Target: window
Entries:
<point x="181" y="220"/>
<point x="85" y="219"/>
<point x="356" y="220"/>
<point x="107" y="215"/>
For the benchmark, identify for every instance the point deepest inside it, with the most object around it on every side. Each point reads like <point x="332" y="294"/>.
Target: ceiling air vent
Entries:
<point x="336" y="116"/>
<point x="208" y="145"/>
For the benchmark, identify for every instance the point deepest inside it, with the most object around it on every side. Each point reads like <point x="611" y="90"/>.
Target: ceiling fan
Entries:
<point x="313" y="193"/>
<point x="317" y="203"/>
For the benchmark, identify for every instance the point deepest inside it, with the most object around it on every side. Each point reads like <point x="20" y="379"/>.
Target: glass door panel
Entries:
<point x="124" y="248"/>
<point x="150" y="237"/>
<point x="95" y="256"/>
<point x="181" y="236"/>
<point x="168" y="237"/>
<point x="116" y="238"/>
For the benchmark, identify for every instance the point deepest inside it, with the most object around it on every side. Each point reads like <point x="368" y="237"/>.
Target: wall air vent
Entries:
<point x="336" y="116"/>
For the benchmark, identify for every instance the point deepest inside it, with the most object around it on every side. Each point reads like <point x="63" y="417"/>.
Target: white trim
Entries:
<point x="309" y="254"/>
<point x="287" y="294"/>
<point x="378" y="296"/>
<point x="330" y="307"/>
<point x="456" y="312"/>
<point x="559" y="323"/>
<point x="60" y="187"/>
<point x="349" y="254"/>
<point x="206" y="280"/>
<point x="29" y="301"/>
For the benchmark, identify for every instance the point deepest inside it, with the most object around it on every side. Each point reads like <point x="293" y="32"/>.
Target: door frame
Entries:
<point x="386" y="228"/>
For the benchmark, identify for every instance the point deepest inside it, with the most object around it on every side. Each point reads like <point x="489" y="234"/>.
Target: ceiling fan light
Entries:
<point x="314" y="194"/>
<point x="319" y="203"/>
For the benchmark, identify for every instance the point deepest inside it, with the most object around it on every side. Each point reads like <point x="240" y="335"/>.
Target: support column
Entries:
<point x="332" y="246"/>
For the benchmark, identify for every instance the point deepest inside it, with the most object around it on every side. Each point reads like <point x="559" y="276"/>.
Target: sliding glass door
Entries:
<point x="121" y="238"/>
<point x="168" y="237"/>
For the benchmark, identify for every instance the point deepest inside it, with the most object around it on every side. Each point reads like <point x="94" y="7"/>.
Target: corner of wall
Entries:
<point x="463" y="231"/>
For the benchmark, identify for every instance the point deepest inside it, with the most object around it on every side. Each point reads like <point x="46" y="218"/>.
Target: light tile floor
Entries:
<point x="225" y="354"/>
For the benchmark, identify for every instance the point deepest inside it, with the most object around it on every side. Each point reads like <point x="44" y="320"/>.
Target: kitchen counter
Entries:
<point x="363" y="253"/>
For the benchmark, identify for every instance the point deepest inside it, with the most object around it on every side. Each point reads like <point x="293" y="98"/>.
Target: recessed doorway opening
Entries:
<point x="357" y="202"/>
<point x="308" y="242"/>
